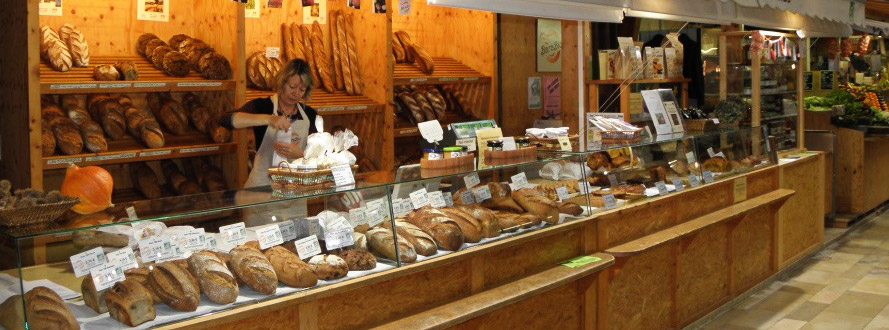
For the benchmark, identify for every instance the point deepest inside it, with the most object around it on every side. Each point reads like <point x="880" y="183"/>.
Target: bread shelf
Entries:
<point x="338" y="103"/>
<point x="81" y="81"/>
<point x="129" y="150"/>
<point x="447" y="71"/>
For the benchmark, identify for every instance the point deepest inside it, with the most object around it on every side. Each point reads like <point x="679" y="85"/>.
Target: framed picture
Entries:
<point x="549" y="45"/>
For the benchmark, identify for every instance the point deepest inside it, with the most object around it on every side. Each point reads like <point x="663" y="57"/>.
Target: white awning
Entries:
<point x="784" y="20"/>
<point x="874" y="27"/>
<point x="842" y="11"/>
<point x="699" y="11"/>
<point x="576" y="10"/>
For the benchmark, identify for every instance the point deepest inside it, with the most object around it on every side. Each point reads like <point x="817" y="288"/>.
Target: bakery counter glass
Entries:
<point x="183" y="258"/>
<point x="725" y="154"/>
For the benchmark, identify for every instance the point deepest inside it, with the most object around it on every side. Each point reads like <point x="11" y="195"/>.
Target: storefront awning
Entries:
<point x="607" y="11"/>
<point x="874" y="27"/>
<point x="699" y="11"/>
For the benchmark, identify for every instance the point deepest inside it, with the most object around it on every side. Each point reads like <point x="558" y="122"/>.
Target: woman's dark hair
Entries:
<point x="296" y="67"/>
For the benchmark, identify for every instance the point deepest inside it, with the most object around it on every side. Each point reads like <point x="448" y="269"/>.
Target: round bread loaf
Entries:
<point x="127" y="70"/>
<point x="178" y="39"/>
<point x="215" y="66"/>
<point x="157" y="56"/>
<point x="151" y="45"/>
<point x="142" y="42"/>
<point x="329" y="267"/>
<point x="358" y="259"/>
<point x="176" y="64"/>
<point x="105" y="72"/>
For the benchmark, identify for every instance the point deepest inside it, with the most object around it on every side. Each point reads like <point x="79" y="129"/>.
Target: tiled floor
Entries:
<point x="844" y="287"/>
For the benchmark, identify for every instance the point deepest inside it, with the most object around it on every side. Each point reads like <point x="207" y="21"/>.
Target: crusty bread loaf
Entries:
<point x="382" y="242"/>
<point x="48" y="141"/>
<point x="176" y="64"/>
<point x="141" y="276"/>
<point x="471" y="228"/>
<point x="290" y="270"/>
<point x="173" y="116"/>
<point x="436" y="101"/>
<point x="58" y="56"/>
<point x="151" y="45"/>
<point x="299" y="50"/>
<point x="406" y="42"/>
<point x="67" y="135"/>
<point x="145" y="180"/>
<point x="93" y="299"/>
<point x="570" y="208"/>
<point x="322" y="62"/>
<point x="508" y="221"/>
<point x="252" y="267"/>
<point x="528" y="220"/>
<point x="536" y="203"/>
<point x="76" y="42"/>
<point x="44" y="309"/>
<point x="105" y="72"/>
<point x="425" y="107"/>
<point x="357" y="259"/>
<point x="420" y="240"/>
<point x="261" y="70"/>
<point x="142" y="42"/>
<point x="92" y="238"/>
<point x="328" y="267"/>
<point x="129" y="302"/>
<point x="352" y="52"/>
<point x="413" y="107"/>
<point x="218" y="133"/>
<point x="335" y="49"/>
<point x="214" y="66"/>
<point x="501" y="198"/>
<point x="47" y="34"/>
<point x="93" y="137"/>
<point x="309" y="49"/>
<point x="195" y="50"/>
<point x="488" y="221"/>
<point x="446" y="232"/>
<point x="175" y="286"/>
<point x="424" y="60"/>
<point x="342" y="40"/>
<point x="12" y="313"/>
<point x="397" y="49"/>
<point x="176" y="40"/>
<point x="157" y="56"/>
<point x="68" y="100"/>
<point x="287" y="42"/>
<point x="214" y="277"/>
<point x="111" y="115"/>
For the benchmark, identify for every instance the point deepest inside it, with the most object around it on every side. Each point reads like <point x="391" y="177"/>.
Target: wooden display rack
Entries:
<point x="623" y="87"/>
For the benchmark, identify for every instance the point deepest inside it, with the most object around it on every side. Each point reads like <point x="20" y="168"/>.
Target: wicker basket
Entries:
<point x="286" y="182"/>
<point x="547" y="144"/>
<point x="618" y="137"/>
<point x="40" y="214"/>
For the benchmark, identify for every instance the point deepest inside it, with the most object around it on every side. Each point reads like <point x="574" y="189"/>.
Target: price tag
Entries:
<point x="562" y="192"/>
<point x="234" y="234"/>
<point x="308" y="247"/>
<point x="584" y="187"/>
<point x="661" y="188"/>
<point x="396" y="208"/>
<point x="711" y="152"/>
<point x="431" y="131"/>
<point x="288" y="230"/>
<point x="315" y="227"/>
<point x="418" y="198"/>
<point x="469" y="143"/>
<point x="342" y="175"/>
<point x="211" y="242"/>
<point x="374" y="217"/>
<point x="436" y="199"/>
<point x="740" y="189"/>
<point x="195" y="240"/>
<point x="471" y="180"/>
<point x="715" y="121"/>
<point x="612" y="179"/>
<point x="104" y="277"/>
<point x="564" y="143"/>
<point x="519" y="180"/>
<point x="448" y="199"/>
<point x="124" y="258"/>
<point x="467" y="197"/>
<point x="694" y="181"/>
<point x="86" y="261"/>
<point x="131" y="213"/>
<point x="509" y="143"/>
<point x="269" y="236"/>
<point x="708" y="177"/>
<point x="677" y="182"/>
<point x="690" y="157"/>
<point x="338" y="239"/>
<point x="480" y="194"/>
<point x="155" y="248"/>
<point x="357" y="217"/>
<point x="610" y="202"/>
<point x="435" y="156"/>
<point x="272" y="52"/>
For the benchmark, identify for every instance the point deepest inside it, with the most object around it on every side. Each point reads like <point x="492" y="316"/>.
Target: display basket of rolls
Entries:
<point x="617" y="137"/>
<point x="548" y="144"/>
<point x="286" y="180"/>
<point x="37" y="214"/>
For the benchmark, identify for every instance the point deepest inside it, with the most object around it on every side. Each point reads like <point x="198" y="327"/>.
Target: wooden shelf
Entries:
<point x="447" y="71"/>
<point x="407" y="132"/>
<point x="81" y="81"/>
<point x="338" y="103"/>
<point x="637" y="81"/>
<point x="129" y="150"/>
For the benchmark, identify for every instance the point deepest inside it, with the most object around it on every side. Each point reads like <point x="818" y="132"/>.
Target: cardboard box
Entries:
<point x="654" y="60"/>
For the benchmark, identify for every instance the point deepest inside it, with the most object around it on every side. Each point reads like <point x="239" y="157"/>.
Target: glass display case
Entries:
<point x="166" y="260"/>
<point x="763" y="69"/>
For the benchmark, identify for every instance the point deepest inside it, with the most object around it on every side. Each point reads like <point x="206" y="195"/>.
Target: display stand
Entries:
<point x="861" y="174"/>
<point x="624" y="88"/>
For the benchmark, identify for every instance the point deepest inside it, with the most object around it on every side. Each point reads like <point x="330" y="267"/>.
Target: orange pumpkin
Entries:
<point x="92" y="184"/>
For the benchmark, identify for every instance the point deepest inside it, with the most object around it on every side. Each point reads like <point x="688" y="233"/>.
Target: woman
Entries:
<point x="280" y="123"/>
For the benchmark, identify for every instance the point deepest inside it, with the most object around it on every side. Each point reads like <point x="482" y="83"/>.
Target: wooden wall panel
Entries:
<point x="559" y="308"/>
<point x="518" y="261"/>
<point x="639" y="294"/>
<point x="850" y="166"/>
<point x="761" y="182"/>
<point x="20" y="94"/>
<point x="518" y="40"/>
<point x="699" y="202"/>
<point x="751" y="250"/>
<point x="395" y="298"/>
<point x="632" y="223"/>
<point x="801" y="220"/>
<point x="703" y="277"/>
<point x="268" y="321"/>
<point x="876" y="173"/>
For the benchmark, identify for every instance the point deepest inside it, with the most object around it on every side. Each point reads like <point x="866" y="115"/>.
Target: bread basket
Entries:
<point x="38" y="214"/>
<point x="287" y="181"/>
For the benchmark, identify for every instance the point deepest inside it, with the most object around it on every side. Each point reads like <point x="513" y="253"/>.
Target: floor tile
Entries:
<point x="858" y="304"/>
<point x="782" y="302"/>
<point x="833" y="290"/>
<point x="788" y="324"/>
<point x="866" y="242"/>
<point x="816" y="276"/>
<point x="855" y="250"/>
<point x="873" y="283"/>
<point x="846" y="256"/>
<point x="803" y="287"/>
<point x="836" y="321"/>
<point x="871" y="259"/>
<point x="807" y="311"/>
<point x="754" y="318"/>
<point x="857" y="272"/>
<point x="833" y="265"/>
<point x="879" y="322"/>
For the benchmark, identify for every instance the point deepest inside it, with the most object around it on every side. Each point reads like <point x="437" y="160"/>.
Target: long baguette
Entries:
<point x="298" y="47"/>
<point x="334" y="48"/>
<point x="357" y="84"/>
<point x="309" y="49"/>
<point x="322" y="62"/>
<point x="287" y="42"/>
<point x="345" y="65"/>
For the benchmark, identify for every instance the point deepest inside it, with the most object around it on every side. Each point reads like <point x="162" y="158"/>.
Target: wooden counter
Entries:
<point x="862" y="175"/>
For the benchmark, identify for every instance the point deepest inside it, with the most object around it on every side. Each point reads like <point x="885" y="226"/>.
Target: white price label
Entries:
<point x="661" y="188"/>
<point x="273" y="52"/>
<point x="448" y="199"/>
<point x="436" y="199"/>
<point x="338" y="239"/>
<point x="88" y="260"/>
<point x="469" y="143"/>
<point x="288" y="230"/>
<point x="509" y="143"/>
<point x="711" y="152"/>
<point x="211" y="242"/>
<point x="694" y="181"/>
<point x="435" y="156"/>
<point x="715" y="121"/>
<point x="677" y="182"/>
<point x="562" y="192"/>
<point x="269" y="236"/>
<point x="125" y="258"/>
<point x="431" y="131"/>
<point x="481" y="194"/>
<point x="374" y="216"/>
<point x="612" y="179"/>
<point x="131" y="213"/>
<point x="195" y="240"/>
<point x="708" y="177"/>
<point x="418" y="198"/>
<point x="308" y="247"/>
<point x="397" y="208"/>
<point x="342" y="175"/>
<point x="315" y="227"/>
<point x="610" y="202"/>
<point x="234" y="234"/>
<point x="584" y="187"/>
<point x="690" y="157"/>
<point x="467" y="197"/>
<point x="104" y="277"/>
<point x="564" y="143"/>
<point x="357" y="217"/>
<point x="155" y="248"/>
<point x="519" y="180"/>
<point x="471" y="180"/>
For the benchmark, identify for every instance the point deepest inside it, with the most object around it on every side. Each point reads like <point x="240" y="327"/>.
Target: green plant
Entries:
<point x="730" y="110"/>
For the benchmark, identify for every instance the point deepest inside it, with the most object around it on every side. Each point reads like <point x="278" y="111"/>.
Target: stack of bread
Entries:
<point x="337" y="69"/>
<point x="423" y="103"/>
<point x="122" y="70"/>
<point x="407" y="51"/>
<point x="65" y="49"/>
<point x="183" y="54"/>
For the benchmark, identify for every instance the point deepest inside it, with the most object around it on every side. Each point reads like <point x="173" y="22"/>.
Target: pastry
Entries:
<point x="290" y="269"/>
<point x="130" y="303"/>
<point x="597" y="160"/>
<point x="328" y="267"/>
<point x="444" y="230"/>
<point x="92" y="298"/>
<point x="175" y="286"/>
<point x="252" y="267"/>
<point x="214" y="277"/>
<point x="382" y="242"/>
<point x="358" y="259"/>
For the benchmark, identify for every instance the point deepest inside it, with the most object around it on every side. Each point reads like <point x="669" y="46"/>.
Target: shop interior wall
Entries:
<point x="518" y="40"/>
<point x="15" y="146"/>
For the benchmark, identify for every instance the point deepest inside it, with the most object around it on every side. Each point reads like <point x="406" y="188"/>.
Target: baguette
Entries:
<point x="322" y="62"/>
<point x="382" y="242"/>
<point x="290" y="270"/>
<point x="501" y="199"/>
<point x="145" y="180"/>
<point x="436" y="101"/>
<point x="424" y="60"/>
<point x="287" y="42"/>
<point x="411" y="103"/>
<point x="536" y="203"/>
<point x="129" y="302"/>
<point x="93" y="138"/>
<point x="420" y="240"/>
<point x="175" y="286"/>
<point x="252" y="267"/>
<point x="471" y="228"/>
<point x="444" y="230"/>
<point x="397" y="49"/>
<point x="424" y="104"/>
<point x="299" y="50"/>
<point x="405" y="41"/>
<point x="345" y="64"/>
<point x="215" y="279"/>
<point x="309" y="49"/>
<point x="337" y="53"/>
<point x="352" y="52"/>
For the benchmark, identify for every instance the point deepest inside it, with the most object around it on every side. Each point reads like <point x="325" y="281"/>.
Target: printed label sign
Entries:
<point x="88" y="260"/>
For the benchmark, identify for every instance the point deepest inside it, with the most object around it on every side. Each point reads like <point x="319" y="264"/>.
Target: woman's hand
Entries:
<point x="279" y="122"/>
<point x="288" y="150"/>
